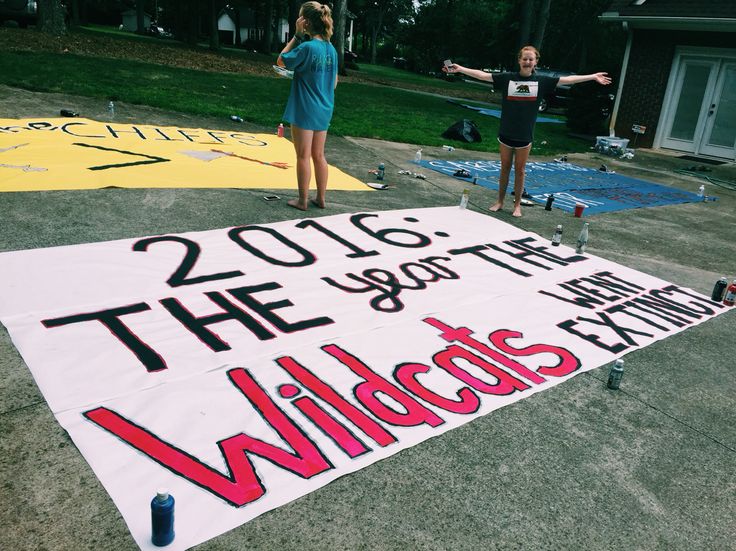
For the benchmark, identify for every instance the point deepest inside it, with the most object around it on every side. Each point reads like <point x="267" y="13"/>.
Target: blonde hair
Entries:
<point x="532" y="48"/>
<point x="319" y="17"/>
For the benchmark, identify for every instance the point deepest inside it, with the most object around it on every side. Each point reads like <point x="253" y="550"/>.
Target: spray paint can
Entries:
<point x="614" y="376"/>
<point x="464" y="199"/>
<point x="381" y="171"/>
<point x="718" y="289"/>
<point x="582" y="239"/>
<point x="280" y="130"/>
<point x="730" y="297"/>
<point x="162" y="518"/>
<point x="557" y="237"/>
<point x="550" y="200"/>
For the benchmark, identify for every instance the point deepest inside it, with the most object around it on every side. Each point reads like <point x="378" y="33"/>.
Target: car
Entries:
<point x="559" y="96"/>
<point x="156" y="31"/>
<point x="21" y="11"/>
<point x="599" y="99"/>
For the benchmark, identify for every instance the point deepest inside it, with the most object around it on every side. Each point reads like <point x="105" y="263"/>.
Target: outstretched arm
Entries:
<point x="600" y="78"/>
<point x="475" y="73"/>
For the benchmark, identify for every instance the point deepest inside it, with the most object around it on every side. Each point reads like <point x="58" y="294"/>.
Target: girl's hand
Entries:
<point x="300" y="24"/>
<point x="602" y="78"/>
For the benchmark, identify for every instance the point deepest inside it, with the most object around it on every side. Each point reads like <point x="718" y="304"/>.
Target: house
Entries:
<point x="678" y="75"/>
<point x="250" y="28"/>
<point x="130" y="20"/>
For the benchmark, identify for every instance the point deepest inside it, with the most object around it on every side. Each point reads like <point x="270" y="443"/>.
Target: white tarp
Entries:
<point x="244" y="367"/>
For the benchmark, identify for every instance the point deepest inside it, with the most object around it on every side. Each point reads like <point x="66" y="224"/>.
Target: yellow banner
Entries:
<point x="74" y="153"/>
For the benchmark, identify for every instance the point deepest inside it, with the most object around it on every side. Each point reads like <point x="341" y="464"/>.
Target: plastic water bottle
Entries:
<point x="730" y="298"/>
<point x="701" y="191"/>
<point x="614" y="376"/>
<point x="582" y="239"/>
<point x="718" y="289"/>
<point x="280" y="130"/>
<point x="418" y="156"/>
<point x="464" y="199"/>
<point x="557" y="237"/>
<point x="448" y="148"/>
<point x="381" y="171"/>
<point x="162" y="518"/>
<point x="236" y="118"/>
<point x="111" y="109"/>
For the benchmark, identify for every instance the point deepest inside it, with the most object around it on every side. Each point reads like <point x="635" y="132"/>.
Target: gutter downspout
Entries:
<point x="624" y="68"/>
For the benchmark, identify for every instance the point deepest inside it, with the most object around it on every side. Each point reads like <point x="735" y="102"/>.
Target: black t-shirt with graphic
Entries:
<point x="520" y="104"/>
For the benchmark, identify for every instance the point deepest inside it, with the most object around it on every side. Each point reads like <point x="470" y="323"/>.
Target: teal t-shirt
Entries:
<point x="312" y="96"/>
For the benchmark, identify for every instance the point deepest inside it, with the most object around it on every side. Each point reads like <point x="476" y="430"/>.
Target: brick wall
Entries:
<point x="650" y="63"/>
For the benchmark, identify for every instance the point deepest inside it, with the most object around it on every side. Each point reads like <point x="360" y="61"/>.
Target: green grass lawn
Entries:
<point x="361" y="110"/>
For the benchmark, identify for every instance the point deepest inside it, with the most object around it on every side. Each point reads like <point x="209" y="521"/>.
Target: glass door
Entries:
<point x="692" y="90"/>
<point x="719" y="136"/>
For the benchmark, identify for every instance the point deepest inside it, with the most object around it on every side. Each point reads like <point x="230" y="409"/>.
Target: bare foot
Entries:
<point x="297" y="204"/>
<point x="317" y="203"/>
<point x="496" y="207"/>
<point x="517" y="212"/>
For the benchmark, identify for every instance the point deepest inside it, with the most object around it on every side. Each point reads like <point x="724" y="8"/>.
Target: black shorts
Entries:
<point x="513" y="144"/>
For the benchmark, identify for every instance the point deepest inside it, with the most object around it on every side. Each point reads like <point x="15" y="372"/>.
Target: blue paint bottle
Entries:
<point x="162" y="518"/>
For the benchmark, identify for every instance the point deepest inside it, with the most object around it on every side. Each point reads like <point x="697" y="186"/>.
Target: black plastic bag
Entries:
<point x="463" y="131"/>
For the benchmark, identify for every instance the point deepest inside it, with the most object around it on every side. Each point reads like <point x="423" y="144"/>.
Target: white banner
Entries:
<point x="245" y="367"/>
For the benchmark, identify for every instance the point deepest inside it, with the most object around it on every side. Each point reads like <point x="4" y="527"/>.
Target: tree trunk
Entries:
<point x="140" y="16"/>
<point x="338" y="37"/>
<point x="294" y="6"/>
<point x="525" y="25"/>
<point x="75" y="13"/>
<point x="51" y="17"/>
<point x="542" y="23"/>
<point x="214" y="32"/>
<point x="267" y="27"/>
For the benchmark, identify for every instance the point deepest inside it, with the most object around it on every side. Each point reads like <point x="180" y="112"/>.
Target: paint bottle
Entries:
<point x="381" y="171"/>
<point x="111" y="109"/>
<point x="280" y="130"/>
<point x="701" y="191"/>
<point x="718" y="289"/>
<point x="582" y="239"/>
<point x="557" y="237"/>
<point x="614" y="376"/>
<point x="550" y="200"/>
<point x="418" y="156"/>
<point x="162" y="518"/>
<point x="464" y="199"/>
<point x="730" y="297"/>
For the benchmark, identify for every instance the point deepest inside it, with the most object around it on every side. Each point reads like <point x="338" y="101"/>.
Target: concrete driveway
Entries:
<point x="576" y="467"/>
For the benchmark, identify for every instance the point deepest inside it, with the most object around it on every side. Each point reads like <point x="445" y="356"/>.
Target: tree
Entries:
<point x="51" y="17"/>
<point x="75" y="13"/>
<point x="541" y="23"/>
<point x="140" y="16"/>
<point x="213" y="12"/>
<point x="339" y="15"/>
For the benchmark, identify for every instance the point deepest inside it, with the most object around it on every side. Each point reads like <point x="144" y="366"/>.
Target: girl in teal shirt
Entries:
<point x="312" y="97"/>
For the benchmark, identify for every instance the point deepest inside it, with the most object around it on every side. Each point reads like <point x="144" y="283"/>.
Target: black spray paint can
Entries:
<point x="719" y="289"/>
<point x="550" y="200"/>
